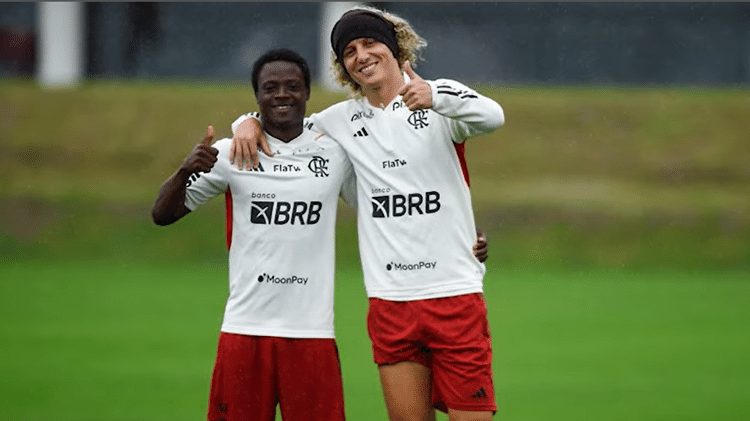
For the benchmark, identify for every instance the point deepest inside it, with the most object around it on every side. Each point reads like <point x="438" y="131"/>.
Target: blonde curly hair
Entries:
<point x="410" y="46"/>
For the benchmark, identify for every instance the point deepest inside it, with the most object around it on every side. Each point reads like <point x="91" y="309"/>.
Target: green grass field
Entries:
<point x="618" y="282"/>
<point x="108" y="341"/>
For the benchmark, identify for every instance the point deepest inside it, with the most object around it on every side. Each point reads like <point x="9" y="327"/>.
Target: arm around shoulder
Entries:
<point x="244" y="117"/>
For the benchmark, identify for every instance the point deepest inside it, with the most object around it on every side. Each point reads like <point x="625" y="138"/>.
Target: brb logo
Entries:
<point x="399" y="205"/>
<point x="282" y="213"/>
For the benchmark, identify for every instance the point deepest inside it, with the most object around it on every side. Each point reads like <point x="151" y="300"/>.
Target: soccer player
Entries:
<point x="427" y="317"/>
<point x="276" y="344"/>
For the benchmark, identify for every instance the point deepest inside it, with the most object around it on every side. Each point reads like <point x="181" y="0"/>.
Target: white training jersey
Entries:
<point x="416" y="224"/>
<point x="280" y="226"/>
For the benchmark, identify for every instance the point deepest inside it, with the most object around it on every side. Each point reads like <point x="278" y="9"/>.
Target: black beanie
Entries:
<point x="362" y="24"/>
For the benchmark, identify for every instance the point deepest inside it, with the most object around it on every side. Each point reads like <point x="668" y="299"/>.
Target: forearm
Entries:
<point x="244" y="117"/>
<point x="257" y="117"/>
<point x="170" y="203"/>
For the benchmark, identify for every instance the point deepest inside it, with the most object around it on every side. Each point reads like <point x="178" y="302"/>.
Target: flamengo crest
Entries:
<point x="319" y="166"/>
<point x="418" y="119"/>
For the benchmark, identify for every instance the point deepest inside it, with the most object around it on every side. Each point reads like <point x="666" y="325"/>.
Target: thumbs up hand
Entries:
<point x="209" y="136"/>
<point x="417" y="94"/>
<point x="203" y="157"/>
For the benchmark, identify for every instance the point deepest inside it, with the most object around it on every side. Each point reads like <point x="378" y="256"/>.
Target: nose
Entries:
<point x="360" y="54"/>
<point x="282" y="92"/>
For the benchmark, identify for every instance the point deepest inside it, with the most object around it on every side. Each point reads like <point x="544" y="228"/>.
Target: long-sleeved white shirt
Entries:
<point x="415" y="220"/>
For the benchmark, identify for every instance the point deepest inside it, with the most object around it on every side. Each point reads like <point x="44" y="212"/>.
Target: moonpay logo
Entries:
<point x="287" y="280"/>
<point x="400" y="266"/>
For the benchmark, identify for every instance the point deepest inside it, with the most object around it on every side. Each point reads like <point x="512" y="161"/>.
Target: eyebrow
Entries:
<point x="282" y="81"/>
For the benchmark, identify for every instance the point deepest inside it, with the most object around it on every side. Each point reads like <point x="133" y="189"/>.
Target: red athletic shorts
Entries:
<point x="449" y="335"/>
<point x="254" y="373"/>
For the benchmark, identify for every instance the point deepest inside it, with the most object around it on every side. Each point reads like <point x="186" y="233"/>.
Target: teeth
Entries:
<point x="368" y="67"/>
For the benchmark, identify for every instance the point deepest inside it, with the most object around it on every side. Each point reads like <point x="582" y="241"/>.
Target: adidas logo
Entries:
<point x="361" y="133"/>
<point x="479" y="393"/>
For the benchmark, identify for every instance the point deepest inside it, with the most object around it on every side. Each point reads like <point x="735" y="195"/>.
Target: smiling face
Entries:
<point x="371" y="64"/>
<point x="281" y="97"/>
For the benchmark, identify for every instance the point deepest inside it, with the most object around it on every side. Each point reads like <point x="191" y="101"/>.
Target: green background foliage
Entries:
<point x="617" y="282"/>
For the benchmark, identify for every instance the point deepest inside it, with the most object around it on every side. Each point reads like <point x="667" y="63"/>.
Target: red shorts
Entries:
<point x="254" y="373"/>
<point x="449" y="335"/>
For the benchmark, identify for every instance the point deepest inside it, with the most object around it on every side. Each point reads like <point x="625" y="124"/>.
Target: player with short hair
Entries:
<point x="405" y="136"/>
<point x="276" y="344"/>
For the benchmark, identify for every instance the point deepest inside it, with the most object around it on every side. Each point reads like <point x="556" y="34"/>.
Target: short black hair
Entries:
<point x="280" y="54"/>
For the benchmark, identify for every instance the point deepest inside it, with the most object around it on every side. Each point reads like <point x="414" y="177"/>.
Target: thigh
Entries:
<point x="403" y="359"/>
<point x="462" y="353"/>
<point x="393" y="327"/>
<point x="243" y="383"/>
<point x="310" y="386"/>
<point x="406" y="389"/>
